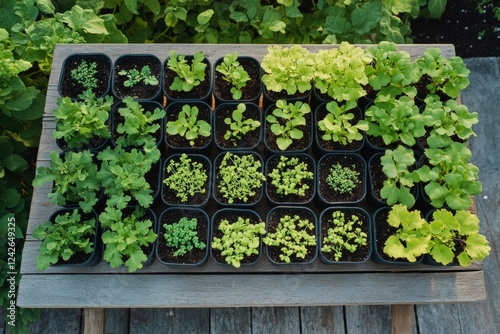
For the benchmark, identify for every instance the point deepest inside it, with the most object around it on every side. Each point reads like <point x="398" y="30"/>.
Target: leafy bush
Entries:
<point x="188" y="125"/>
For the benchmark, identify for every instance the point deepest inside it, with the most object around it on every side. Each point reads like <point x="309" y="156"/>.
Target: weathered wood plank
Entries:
<point x="195" y="320"/>
<point x="117" y="321"/>
<point x="94" y="321"/>
<point x="231" y="320"/>
<point x="431" y="319"/>
<point x="249" y="290"/>
<point x="277" y="320"/>
<point x="368" y="319"/>
<point x="322" y="319"/>
<point x="403" y="319"/>
<point x="58" y="321"/>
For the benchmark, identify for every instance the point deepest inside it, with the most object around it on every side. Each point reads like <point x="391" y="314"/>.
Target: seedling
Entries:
<point x="188" y="125"/>
<point x="182" y="236"/>
<point x="337" y="126"/>
<point x="134" y="77"/>
<point x="343" y="235"/>
<point x="188" y="76"/>
<point x="239" y="239"/>
<point x="85" y="74"/>
<point x="186" y="177"/>
<point x="239" y="127"/>
<point x="286" y="120"/>
<point x="233" y="73"/>
<point x="290" y="176"/>
<point x="343" y="180"/>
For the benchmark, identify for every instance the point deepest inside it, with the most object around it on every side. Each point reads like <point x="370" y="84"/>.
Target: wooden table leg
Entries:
<point x="402" y="319"/>
<point x="94" y="321"/>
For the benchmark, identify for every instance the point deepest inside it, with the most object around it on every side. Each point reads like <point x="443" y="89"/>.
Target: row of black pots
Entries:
<point x="113" y="83"/>
<point x="208" y="229"/>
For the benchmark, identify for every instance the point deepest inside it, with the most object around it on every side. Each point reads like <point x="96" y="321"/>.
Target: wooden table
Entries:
<point x="100" y="287"/>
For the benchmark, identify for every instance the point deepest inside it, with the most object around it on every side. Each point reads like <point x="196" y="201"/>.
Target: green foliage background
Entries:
<point x="30" y="29"/>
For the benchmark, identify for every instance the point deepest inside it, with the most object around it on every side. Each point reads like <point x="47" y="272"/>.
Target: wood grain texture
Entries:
<point x="94" y="321"/>
<point x="181" y="321"/>
<point x="402" y="319"/>
<point x="117" y="321"/>
<point x="276" y="320"/>
<point x="58" y="321"/>
<point x="361" y="319"/>
<point x="231" y="320"/>
<point x="322" y="320"/>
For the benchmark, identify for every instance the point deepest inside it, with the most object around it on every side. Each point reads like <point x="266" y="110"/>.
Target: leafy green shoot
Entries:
<point x="290" y="176"/>
<point x="286" y="120"/>
<point x="188" y="75"/>
<point x="188" y="125"/>
<point x="135" y="77"/>
<point x="237" y="126"/>
<point x="186" y="177"/>
<point x="233" y="73"/>
<point x="343" y="180"/>
<point x="337" y="125"/>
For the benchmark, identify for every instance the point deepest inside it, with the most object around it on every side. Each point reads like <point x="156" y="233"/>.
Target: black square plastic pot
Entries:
<point x="272" y="222"/>
<point x="362" y="253"/>
<point x="199" y="200"/>
<point x="69" y="87"/>
<point x="117" y="119"/>
<point x="139" y="91"/>
<point x="195" y="257"/>
<point x="177" y="143"/>
<point x="292" y="199"/>
<point x="232" y="215"/>
<point x="81" y="259"/>
<point x="326" y="193"/>
<point x="252" y="90"/>
<point x="202" y="92"/>
<point x="250" y="140"/>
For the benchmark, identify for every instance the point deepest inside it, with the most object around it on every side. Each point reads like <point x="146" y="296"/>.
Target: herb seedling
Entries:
<point x="77" y="122"/>
<point x="290" y="176"/>
<point x="237" y="126"/>
<point x="337" y="126"/>
<point x="75" y="179"/>
<point x="188" y="76"/>
<point x="293" y="116"/>
<point x="84" y="74"/>
<point x="239" y="239"/>
<point x="239" y="177"/>
<point x="233" y="73"/>
<point x="182" y="236"/>
<point x="138" y="126"/>
<point x="67" y="235"/>
<point x="188" y="125"/>
<point x="125" y="236"/>
<point x="135" y="77"/>
<point x="186" y="177"/>
<point x="343" y="179"/>
<point x="343" y="235"/>
<point x="292" y="237"/>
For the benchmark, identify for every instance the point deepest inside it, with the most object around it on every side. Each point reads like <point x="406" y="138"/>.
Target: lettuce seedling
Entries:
<point x="74" y="176"/>
<point x="233" y="73"/>
<point x="290" y="176"/>
<point x="186" y="177"/>
<point x="77" y="122"/>
<point x="63" y="238"/>
<point x="188" y="125"/>
<point x="337" y="126"/>
<point x="343" y="180"/>
<point x="239" y="239"/>
<point x="292" y="237"/>
<point x="343" y="235"/>
<point x="182" y="236"/>
<point x="138" y="126"/>
<point x="398" y="165"/>
<point x="238" y="126"/>
<point x="288" y="69"/>
<point x="286" y="120"/>
<point x="396" y="120"/>
<point x="124" y="238"/>
<point x="188" y="76"/>
<point x="134" y="77"/>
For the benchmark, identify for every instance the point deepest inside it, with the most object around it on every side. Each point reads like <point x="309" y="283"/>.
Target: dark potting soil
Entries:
<point x="250" y="139"/>
<point x="273" y="221"/>
<point x="252" y="89"/>
<point x="232" y="216"/>
<point x="166" y="253"/>
<point x="291" y="198"/>
<point x="71" y="88"/>
<point x="140" y="90"/>
<point x="361" y="252"/>
<point x="349" y="161"/>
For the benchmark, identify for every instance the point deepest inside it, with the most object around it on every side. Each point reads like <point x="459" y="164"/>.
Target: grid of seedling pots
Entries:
<point x="320" y="202"/>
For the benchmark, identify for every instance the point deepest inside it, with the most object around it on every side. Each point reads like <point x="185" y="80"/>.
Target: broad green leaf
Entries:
<point x="45" y="6"/>
<point x="436" y="8"/>
<point x="85" y="20"/>
<point x="442" y="254"/>
<point x="477" y="247"/>
<point x="15" y="163"/>
<point x="204" y="17"/>
<point x="366" y="17"/>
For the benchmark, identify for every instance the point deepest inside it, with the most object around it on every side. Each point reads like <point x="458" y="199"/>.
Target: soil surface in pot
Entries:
<point x="291" y="198"/>
<point x="361" y="252"/>
<point x="222" y="88"/>
<point x="232" y="216"/>
<point x="330" y="145"/>
<point x="272" y="224"/>
<point x="178" y="141"/>
<point x="71" y="88"/>
<point x="250" y="139"/>
<point x="166" y="253"/>
<point x="140" y="90"/>
<point x="332" y="196"/>
<point x="198" y="92"/>
<point x="297" y="144"/>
